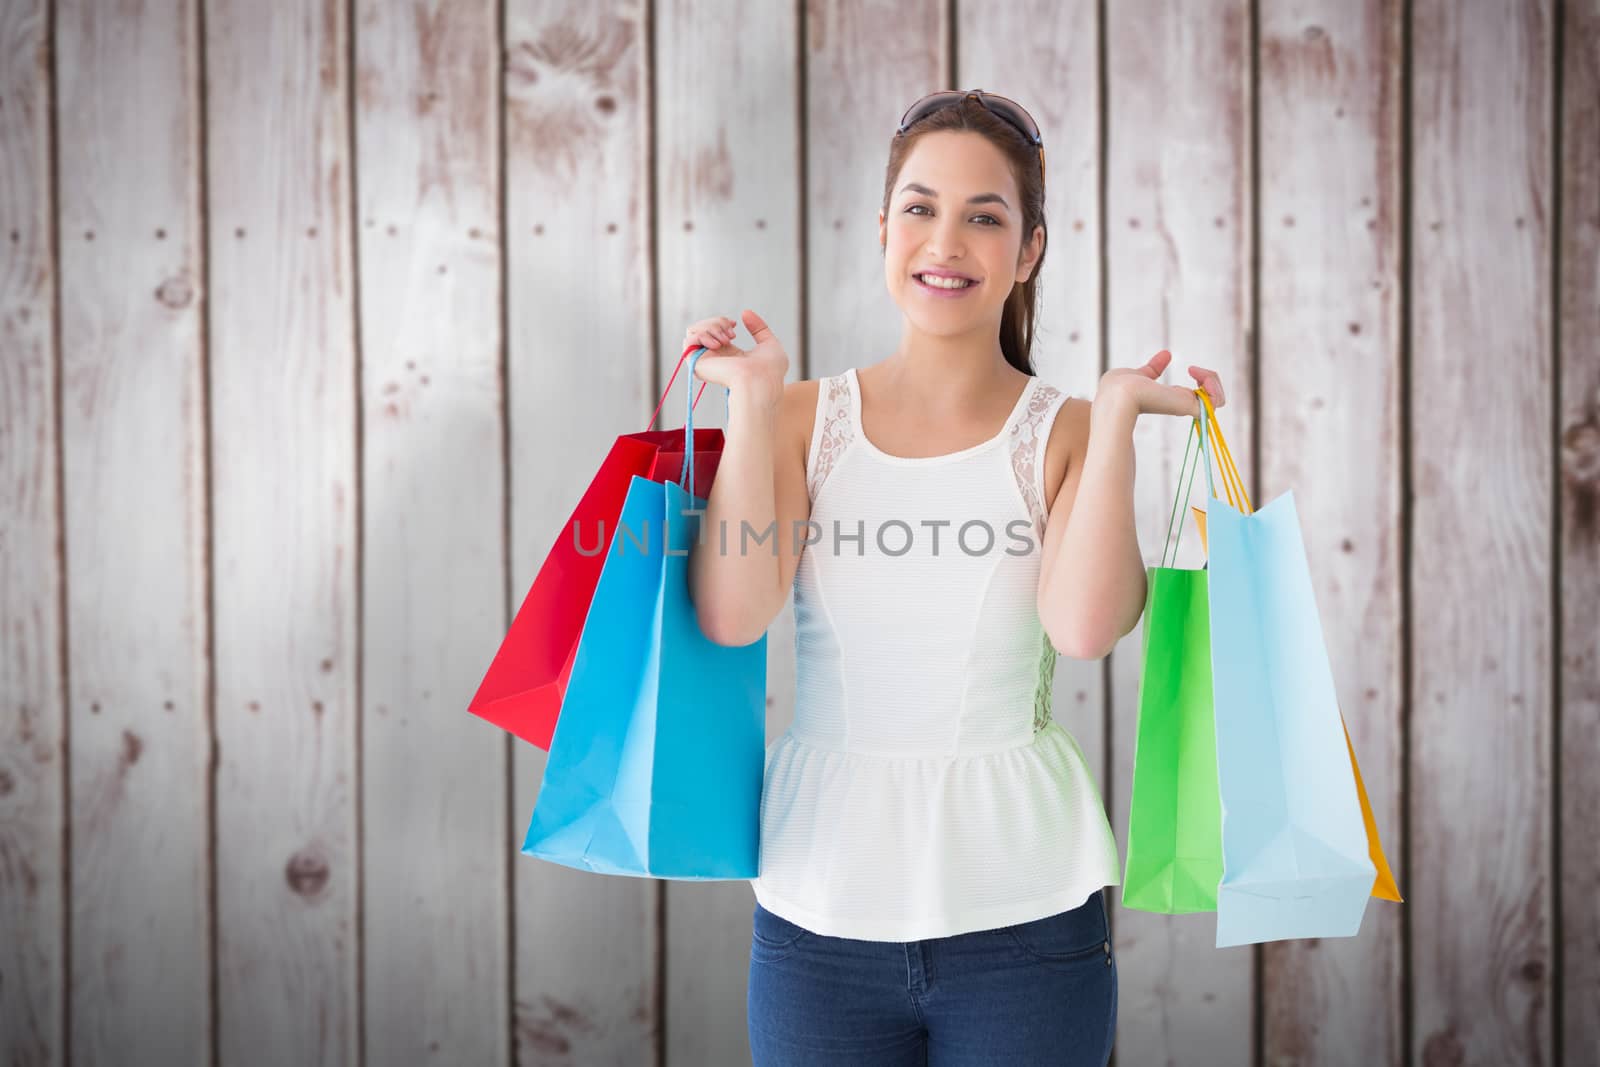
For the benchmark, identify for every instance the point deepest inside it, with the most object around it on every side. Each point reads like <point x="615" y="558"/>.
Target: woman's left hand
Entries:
<point x="1139" y="389"/>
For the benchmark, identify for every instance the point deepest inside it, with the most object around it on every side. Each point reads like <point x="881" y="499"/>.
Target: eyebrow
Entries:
<point x="981" y="198"/>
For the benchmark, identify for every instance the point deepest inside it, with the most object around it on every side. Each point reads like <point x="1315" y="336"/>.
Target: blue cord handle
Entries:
<point x="686" y="473"/>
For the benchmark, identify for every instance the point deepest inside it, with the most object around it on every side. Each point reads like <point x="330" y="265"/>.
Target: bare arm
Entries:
<point x="1092" y="579"/>
<point x="1092" y="576"/>
<point x="758" y="499"/>
<point x="743" y="563"/>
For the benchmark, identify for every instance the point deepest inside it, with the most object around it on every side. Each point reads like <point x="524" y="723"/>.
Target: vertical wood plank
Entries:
<point x="578" y="232"/>
<point x="1178" y="226"/>
<point x="1578" y="978"/>
<point x="32" y="719"/>
<point x="285" y="505"/>
<point x="1481" y="796"/>
<point x="1330" y="406"/>
<point x="1058" y="80"/>
<point x="434" y="820"/>
<point x="866" y="61"/>
<point x="133" y="439"/>
<point x="727" y="165"/>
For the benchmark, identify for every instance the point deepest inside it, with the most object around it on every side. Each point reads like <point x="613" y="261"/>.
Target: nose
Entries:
<point x="945" y="241"/>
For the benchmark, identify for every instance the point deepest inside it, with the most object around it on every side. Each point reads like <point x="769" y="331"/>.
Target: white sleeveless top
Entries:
<point x="923" y="789"/>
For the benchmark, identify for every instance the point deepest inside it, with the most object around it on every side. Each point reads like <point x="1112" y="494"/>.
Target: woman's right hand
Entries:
<point x="756" y="374"/>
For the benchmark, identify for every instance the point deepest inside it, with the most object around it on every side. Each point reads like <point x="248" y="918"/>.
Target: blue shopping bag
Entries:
<point x="1295" y="861"/>
<point x="656" y="763"/>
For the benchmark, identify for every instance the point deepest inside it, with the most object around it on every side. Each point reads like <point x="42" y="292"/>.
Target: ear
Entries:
<point x="1030" y="254"/>
<point x="883" y="230"/>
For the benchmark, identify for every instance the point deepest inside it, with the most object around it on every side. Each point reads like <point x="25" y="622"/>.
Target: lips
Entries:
<point x="943" y="290"/>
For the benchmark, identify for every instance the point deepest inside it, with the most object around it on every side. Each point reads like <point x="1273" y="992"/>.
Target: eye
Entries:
<point x="992" y="220"/>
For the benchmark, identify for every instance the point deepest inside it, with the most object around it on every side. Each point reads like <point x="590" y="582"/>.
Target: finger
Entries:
<point x="709" y="367"/>
<point x="1211" y="382"/>
<point x="1175" y="400"/>
<point x="758" y="327"/>
<point x="705" y="369"/>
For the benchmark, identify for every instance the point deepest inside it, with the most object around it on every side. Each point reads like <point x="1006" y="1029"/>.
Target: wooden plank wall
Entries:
<point x="579" y="219"/>
<point x="315" y="316"/>
<point x="1329" y="300"/>
<point x="286" y="555"/>
<point x="1178" y="218"/>
<point x="1480" y="238"/>
<point x="1576" y="236"/>
<point x="135" y="535"/>
<point x="430" y="290"/>
<point x="34" y="841"/>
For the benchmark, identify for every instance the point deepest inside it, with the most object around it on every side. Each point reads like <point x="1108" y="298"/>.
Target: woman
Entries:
<point x="933" y="845"/>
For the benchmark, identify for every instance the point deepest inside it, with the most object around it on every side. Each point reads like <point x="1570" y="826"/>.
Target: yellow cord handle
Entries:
<point x="1232" y="484"/>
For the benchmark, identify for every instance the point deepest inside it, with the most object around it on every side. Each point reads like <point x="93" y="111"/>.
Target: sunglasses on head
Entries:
<point x="1001" y="107"/>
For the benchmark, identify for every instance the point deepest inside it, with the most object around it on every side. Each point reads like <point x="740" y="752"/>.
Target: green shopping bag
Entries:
<point x="1174" y="857"/>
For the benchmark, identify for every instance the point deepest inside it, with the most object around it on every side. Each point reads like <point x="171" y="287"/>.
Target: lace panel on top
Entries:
<point x="835" y="430"/>
<point x="1027" y="465"/>
<point x="1027" y="433"/>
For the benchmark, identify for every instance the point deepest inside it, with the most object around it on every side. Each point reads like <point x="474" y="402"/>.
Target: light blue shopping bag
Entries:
<point x="656" y="763"/>
<point x="1295" y="861"/>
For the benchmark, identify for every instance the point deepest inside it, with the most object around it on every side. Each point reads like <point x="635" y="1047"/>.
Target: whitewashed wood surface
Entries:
<point x="316" y="317"/>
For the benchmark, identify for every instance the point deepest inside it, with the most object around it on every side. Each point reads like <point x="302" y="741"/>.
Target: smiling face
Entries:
<point x="955" y="211"/>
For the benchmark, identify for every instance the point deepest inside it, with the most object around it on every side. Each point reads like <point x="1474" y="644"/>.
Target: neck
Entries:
<point x="950" y="368"/>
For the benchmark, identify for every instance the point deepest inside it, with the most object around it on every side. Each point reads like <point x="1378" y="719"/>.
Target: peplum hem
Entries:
<point x="888" y="848"/>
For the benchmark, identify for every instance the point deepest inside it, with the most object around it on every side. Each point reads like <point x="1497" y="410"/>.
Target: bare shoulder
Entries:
<point x="1063" y="450"/>
<point x="797" y="410"/>
<point x="797" y="414"/>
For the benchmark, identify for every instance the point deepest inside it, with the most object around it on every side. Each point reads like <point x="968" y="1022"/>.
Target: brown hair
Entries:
<point x="1022" y="305"/>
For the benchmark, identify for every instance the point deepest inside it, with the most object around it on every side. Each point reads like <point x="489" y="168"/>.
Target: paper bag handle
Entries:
<point x="686" y="475"/>
<point x="1185" y="489"/>
<point x="1212" y="444"/>
<point x="662" y="402"/>
<point x="1232" y="483"/>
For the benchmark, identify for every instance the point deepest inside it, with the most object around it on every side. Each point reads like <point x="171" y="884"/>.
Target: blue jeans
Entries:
<point x="1039" y="992"/>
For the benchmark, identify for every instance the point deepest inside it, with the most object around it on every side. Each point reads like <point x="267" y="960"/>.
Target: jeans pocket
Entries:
<point x="1066" y="937"/>
<point x="772" y="937"/>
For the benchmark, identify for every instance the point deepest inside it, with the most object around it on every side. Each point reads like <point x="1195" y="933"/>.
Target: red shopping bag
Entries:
<point x="522" y="691"/>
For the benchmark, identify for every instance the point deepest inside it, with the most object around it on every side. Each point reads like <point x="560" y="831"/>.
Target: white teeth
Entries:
<point x="943" y="283"/>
